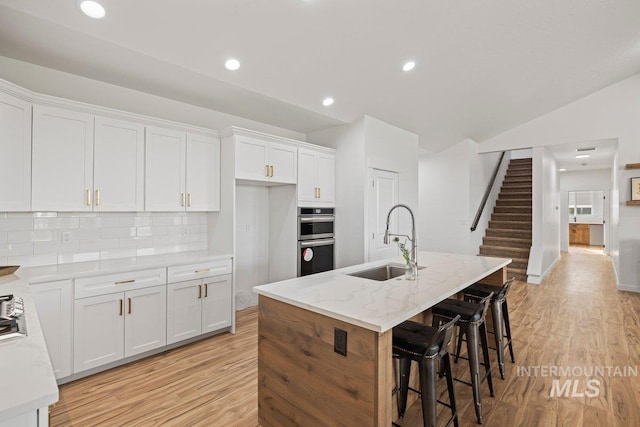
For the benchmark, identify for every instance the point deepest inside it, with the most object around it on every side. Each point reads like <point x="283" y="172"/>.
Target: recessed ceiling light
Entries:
<point x="232" y="64"/>
<point x="327" y="101"/>
<point x="92" y="9"/>
<point x="562" y="170"/>
<point x="582" y="156"/>
<point x="408" y="66"/>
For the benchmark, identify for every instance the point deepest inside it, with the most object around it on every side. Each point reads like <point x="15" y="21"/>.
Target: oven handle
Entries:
<point x="313" y="243"/>
<point x="327" y="218"/>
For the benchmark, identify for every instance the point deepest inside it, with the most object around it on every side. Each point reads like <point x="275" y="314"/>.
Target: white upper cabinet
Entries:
<point x="62" y="160"/>
<point x="316" y="178"/>
<point x="85" y="163"/>
<point x="203" y="173"/>
<point x="182" y="171"/>
<point x="118" y="176"/>
<point x="15" y="154"/>
<point x="258" y="160"/>
<point x="164" y="172"/>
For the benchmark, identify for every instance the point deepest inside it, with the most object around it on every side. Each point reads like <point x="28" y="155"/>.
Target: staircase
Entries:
<point x="509" y="232"/>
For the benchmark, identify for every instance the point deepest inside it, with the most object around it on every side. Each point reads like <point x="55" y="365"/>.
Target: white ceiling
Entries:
<point x="482" y="66"/>
<point x="600" y="158"/>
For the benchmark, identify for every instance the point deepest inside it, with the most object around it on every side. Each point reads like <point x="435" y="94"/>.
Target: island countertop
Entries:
<point x="379" y="306"/>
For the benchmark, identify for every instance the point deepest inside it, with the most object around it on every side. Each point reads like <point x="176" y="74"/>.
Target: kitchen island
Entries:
<point x="305" y="324"/>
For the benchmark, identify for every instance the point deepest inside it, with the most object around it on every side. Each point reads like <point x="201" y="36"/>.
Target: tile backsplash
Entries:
<point x="44" y="238"/>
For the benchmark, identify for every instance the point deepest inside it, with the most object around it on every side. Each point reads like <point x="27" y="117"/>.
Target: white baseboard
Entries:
<point x="537" y="279"/>
<point x="629" y="288"/>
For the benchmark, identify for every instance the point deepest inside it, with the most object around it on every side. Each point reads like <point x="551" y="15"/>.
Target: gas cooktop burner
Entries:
<point x="12" y="320"/>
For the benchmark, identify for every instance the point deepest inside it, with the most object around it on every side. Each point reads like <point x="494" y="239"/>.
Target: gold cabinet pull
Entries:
<point x="199" y="291"/>
<point x="123" y="282"/>
<point x="202" y="270"/>
<point x="271" y="167"/>
<point x="189" y="199"/>
<point x="315" y="192"/>
<point x="206" y="290"/>
<point x="129" y="301"/>
<point x="319" y="192"/>
<point x="88" y="197"/>
<point x="121" y="302"/>
<point x="266" y="173"/>
<point x="182" y="199"/>
<point x="97" y="197"/>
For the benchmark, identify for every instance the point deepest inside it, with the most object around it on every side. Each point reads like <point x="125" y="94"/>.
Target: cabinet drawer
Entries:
<point x="120" y="282"/>
<point x="198" y="271"/>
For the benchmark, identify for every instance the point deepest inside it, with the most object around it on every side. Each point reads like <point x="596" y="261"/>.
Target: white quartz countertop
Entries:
<point x="92" y="268"/>
<point x="28" y="381"/>
<point x="379" y="306"/>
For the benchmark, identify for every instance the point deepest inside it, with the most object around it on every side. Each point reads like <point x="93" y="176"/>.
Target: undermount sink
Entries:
<point x="382" y="273"/>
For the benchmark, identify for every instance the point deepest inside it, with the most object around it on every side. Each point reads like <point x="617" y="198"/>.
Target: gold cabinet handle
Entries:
<point x="266" y="173"/>
<point x="129" y="301"/>
<point x="203" y="270"/>
<point x="199" y="291"/>
<point x="182" y="199"/>
<point x="97" y="197"/>
<point x="315" y="192"/>
<point x="189" y="199"/>
<point x="121" y="302"/>
<point x="88" y="197"/>
<point x="123" y="282"/>
<point x="319" y="192"/>
<point x="271" y="167"/>
<point x="206" y="290"/>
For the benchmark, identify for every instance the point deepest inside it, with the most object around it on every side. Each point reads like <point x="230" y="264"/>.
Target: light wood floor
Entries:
<point x="576" y="318"/>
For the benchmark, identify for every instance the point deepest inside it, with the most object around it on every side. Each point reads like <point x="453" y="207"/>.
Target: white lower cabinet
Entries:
<point x="53" y="302"/>
<point x="113" y="326"/>
<point x="198" y="306"/>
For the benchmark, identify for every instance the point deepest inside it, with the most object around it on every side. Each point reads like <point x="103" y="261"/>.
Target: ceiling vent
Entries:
<point x="580" y="150"/>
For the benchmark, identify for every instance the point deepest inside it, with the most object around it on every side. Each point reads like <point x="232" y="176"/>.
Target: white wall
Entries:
<point x="252" y="242"/>
<point x="545" y="238"/>
<point x="452" y="184"/>
<point x="612" y="112"/>
<point x="390" y="148"/>
<point x="365" y="143"/>
<point x="349" y="141"/>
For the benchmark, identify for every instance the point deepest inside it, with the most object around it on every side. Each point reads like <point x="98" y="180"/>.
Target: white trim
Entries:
<point x="629" y="288"/>
<point x="536" y="280"/>
<point x="82" y="107"/>
<point x="237" y="131"/>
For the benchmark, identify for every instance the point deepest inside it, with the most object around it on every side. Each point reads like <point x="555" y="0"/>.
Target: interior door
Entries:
<point x="383" y="195"/>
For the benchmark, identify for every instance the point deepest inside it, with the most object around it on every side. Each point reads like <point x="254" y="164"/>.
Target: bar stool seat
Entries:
<point x="471" y="323"/>
<point x="499" y="315"/>
<point x="426" y="345"/>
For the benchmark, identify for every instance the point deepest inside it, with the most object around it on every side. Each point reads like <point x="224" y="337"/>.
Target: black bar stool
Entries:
<point x="426" y="345"/>
<point x="472" y="324"/>
<point x="499" y="314"/>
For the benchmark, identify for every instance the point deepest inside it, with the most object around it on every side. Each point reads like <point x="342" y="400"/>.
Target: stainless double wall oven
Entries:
<point x="316" y="240"/>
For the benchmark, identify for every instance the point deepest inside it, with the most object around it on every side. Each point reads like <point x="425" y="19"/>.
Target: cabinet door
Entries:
<point x="184" y="310"/>
<point x="145" y="326"/>
<point x="164" y="170"/>
<point x="251" y="159"/>
<point x="15" y="154"/>
<point x="203" y="173"/>
<point x="53" y="303"/>
<point x="98" y="331"/>
<point x="216" y="303"/>
<point x="325" y="177"/>
<point x="118" y="175"/>
<point x="62" y="160"/>
<point x="306" y="176"/>
<point x="284" y="163"/>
